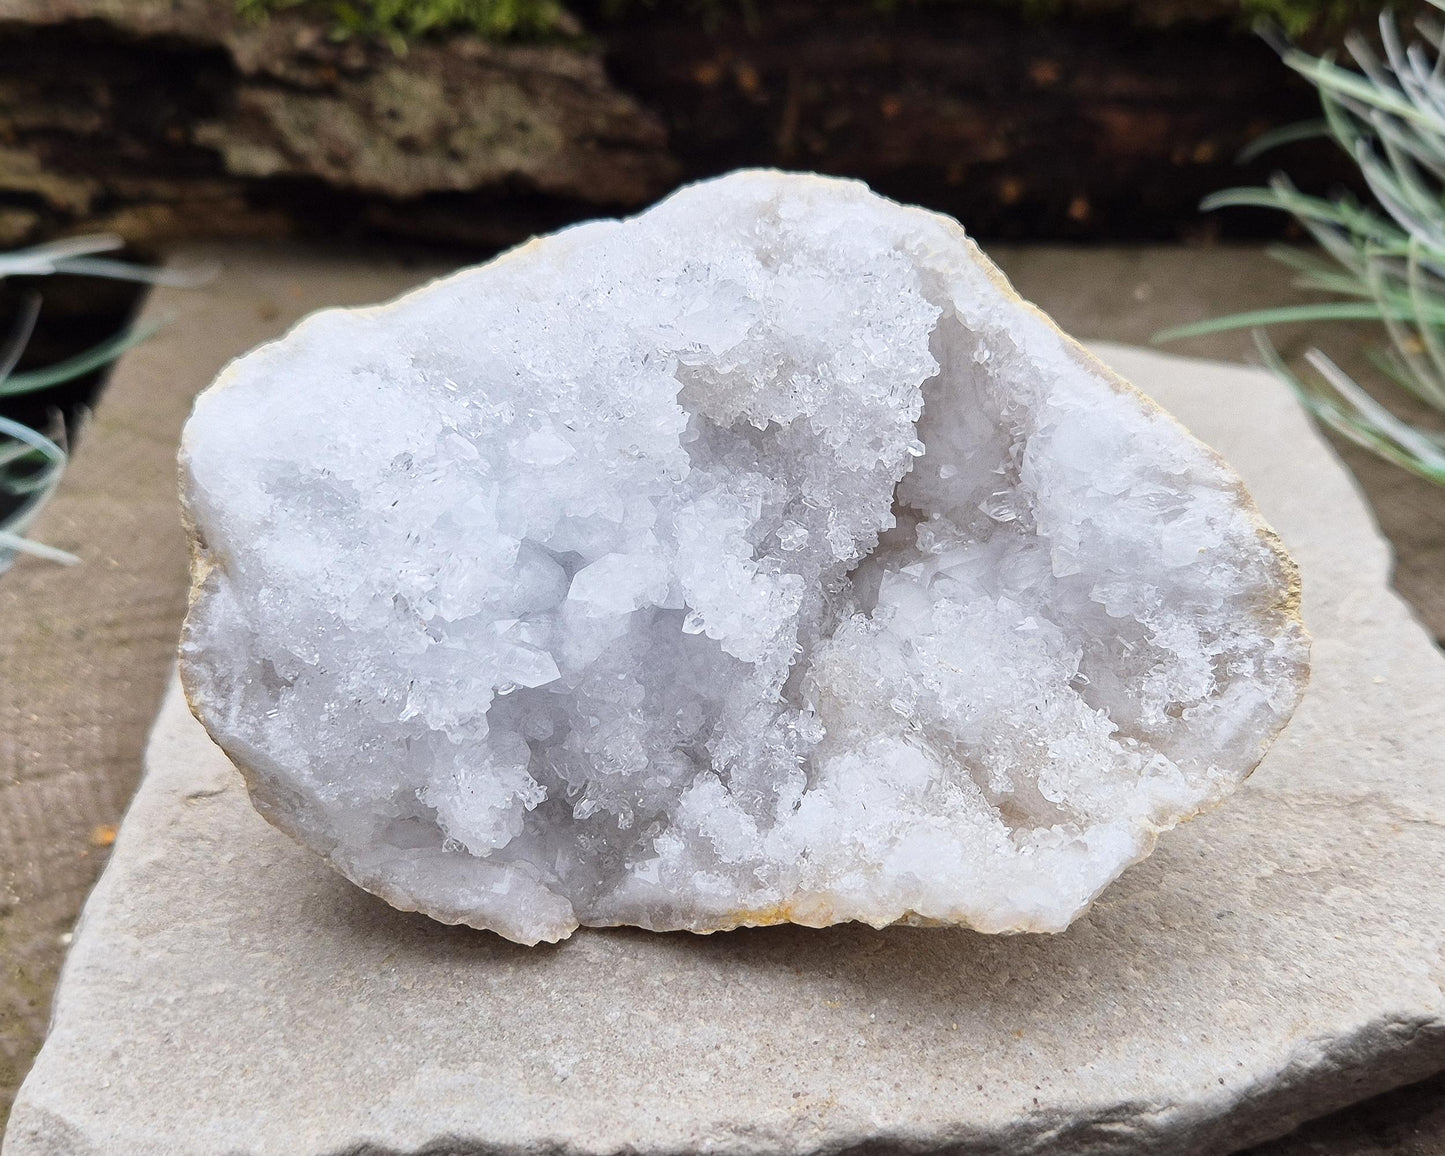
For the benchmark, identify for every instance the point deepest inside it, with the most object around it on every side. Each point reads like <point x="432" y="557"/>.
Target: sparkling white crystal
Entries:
<point x="759" y="558"/>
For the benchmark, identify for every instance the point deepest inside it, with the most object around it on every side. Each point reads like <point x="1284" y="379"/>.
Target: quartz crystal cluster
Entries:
<point x="760" y="558"/>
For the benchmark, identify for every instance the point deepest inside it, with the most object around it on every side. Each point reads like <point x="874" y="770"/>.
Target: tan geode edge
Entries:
<point x="808" y="911"/>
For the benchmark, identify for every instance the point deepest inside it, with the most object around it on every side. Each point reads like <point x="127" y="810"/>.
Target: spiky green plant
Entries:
<point x="1382" y="262"/>
<point x="31" y="462"/>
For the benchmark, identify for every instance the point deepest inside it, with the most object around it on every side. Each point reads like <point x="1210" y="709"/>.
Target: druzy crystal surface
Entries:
<point x="759" y="558"/>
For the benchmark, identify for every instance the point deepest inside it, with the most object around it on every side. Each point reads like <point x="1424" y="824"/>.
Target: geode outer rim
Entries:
<point x="203" y="561"/>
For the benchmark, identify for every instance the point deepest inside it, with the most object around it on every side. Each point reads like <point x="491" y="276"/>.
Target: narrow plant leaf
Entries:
<point x="9" y="541"/>
<point x="1426" y="332"/>
<point x="1287" y="314"/>
<point x="1341" y="421"/>
<point x="1285" y="134"/>
<point x="41" y="260"/>
<point x="17" y="452"/>
<point x="14" y="348"/>
<point x="73" y="367"/>
<point x="1344" y="83"/>
<point x="32" y="438"/>
<point x="1406" y="341"/>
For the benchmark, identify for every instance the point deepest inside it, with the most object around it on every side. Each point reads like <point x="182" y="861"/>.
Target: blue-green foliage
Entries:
<point x="407" y="20"/>
<point x="31" y="463"/>
<point x="1383" y="261"/>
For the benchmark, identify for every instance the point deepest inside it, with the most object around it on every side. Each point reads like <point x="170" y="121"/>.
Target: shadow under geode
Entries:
<point x="1185" y="917"/>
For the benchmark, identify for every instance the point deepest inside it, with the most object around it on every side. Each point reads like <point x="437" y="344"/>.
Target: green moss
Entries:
<point x="401" y="21"/>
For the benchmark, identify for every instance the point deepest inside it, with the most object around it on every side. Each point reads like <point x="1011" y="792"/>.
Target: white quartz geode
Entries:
<point x="761" y="558"/>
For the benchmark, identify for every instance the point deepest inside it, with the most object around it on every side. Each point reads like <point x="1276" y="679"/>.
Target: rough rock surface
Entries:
<point x="190" y="112"/>
<point x="192" y="121"/>
<point x="1273" y="959"/>
<point x="762" y="558"/>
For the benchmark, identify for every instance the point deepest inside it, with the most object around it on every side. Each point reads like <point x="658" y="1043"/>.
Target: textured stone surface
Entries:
<point x="762" y="558"/>
<point x="191" y="111"/>
<point x="92" y="645"/>
<point x="193" y="121"/>
<point x="1272" y="960"/>
<point x="87" y="650"/>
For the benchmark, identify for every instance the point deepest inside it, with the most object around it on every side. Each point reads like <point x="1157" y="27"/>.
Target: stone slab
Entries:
<point x="86" y="651"/>
<point x="227" y="993"/>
